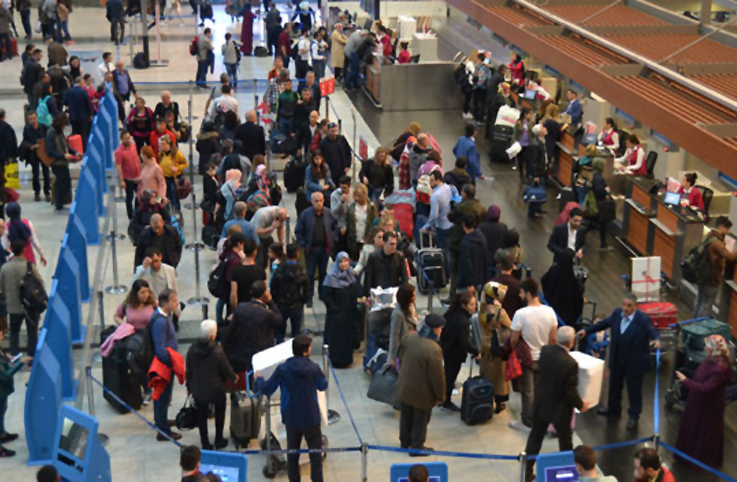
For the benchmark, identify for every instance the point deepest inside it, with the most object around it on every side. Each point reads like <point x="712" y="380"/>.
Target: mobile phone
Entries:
<point x="15" y="358"/>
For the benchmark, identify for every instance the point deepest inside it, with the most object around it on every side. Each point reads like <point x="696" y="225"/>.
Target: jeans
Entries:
<point x="442" y="237"/>
<point x="285" y="60"/>
<point x="479" y="102"/>
<point x="537" y="435"/>
<point x="313" y="436"/>
<point x="5" y="41"/>
<point x="286" y="125"/>
<point x="36" y="166"/>
<point x="161" y="408"/>
<point x="413" y="424"/>
<point x="130" y="197"/>
<point x="705" y="298"/>
<point x="171" y="192"/>
<point x="201" y="77"/>
<point x="25" y="16"/>
<point x="219" y="308"/>
<point x="301" y="68"/>
<point x="352" y="78"/>
<point x="117" y="31"/>
<point x="202" y="413"/>
<point x="16" y="321"/>
<point x="63" y="28"/>
<point x="618" y="376"/>
<point x="272" y="39"/>
<point x="63" y="185"/>
<point x="232" y="70"/>
<point x="317" y="260"/>
<point x="319" y="67"/>
<point x="262" y="254"/>
<point x="528" y="380"/>
<point x="295" y="316"/>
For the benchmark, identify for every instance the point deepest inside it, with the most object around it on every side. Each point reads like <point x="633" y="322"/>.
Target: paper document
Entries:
<point x="272" y="356"/>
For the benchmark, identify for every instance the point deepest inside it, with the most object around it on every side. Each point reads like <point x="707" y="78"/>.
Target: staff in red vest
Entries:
<point x="634" y="157"/>
<point x="609" y="136"/>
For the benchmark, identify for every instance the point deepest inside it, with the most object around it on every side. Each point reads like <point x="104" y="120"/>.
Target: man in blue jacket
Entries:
<point x="317" y="234"/>
<point x="79" y="108"/>
<point x="299" y="379"/>
<point x="632" y="336"/>
<point x="163" y="336"/>
<point x="466" y="147"/>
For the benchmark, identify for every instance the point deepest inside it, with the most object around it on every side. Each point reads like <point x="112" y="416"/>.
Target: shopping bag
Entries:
<point x="11" y="175"/>
<point x="513" y="369"/>
<point x="383" y="385"/>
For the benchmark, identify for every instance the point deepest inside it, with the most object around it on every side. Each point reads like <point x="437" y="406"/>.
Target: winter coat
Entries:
<point x="460" y="211"/>
<point x="337" y="55"/>
<point x="170" y="244"/>
<point x="401" y="327"/>
<point x="494" y="232"/>
<point x="456" y="336"/>
<point x="473" y="262"/>
<point x="207" y="370"/>
<point x="306" y="223"/>
<point x="208" y="143"/>
<point x="385" y="271"/>
<point x="458" y="178"/>
<point x="421" y="381"/>
<point x="290" y="286"/>
<point x="250" y="331"/>
<point x="8" y="142"/>
<point x="381" y="179"/>
<point x="337" y="155"/>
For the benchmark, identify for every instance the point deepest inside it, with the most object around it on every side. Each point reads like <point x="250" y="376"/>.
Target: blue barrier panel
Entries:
<point x="438" y="472"/>
<point x="87" y="205"/>
<point x="42" y="405"/>
<point x="77" y="244"/>
<point x="229" y="467"/>
<point x="66" y="274"/>
<point x="94" y="164"/>
<point x="59" y="340"/>
<point x="99" y="149"/>
<point x="109" y="126"/>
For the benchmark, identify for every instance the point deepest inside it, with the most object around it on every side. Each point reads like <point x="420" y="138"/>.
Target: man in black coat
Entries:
<point x="161" y="236"/>
<point x="251" y="136"/>
<point x="385" y="267"/>
<point x="8" y="142"/>
<point x="32" y="73"/>
<point x="314" y="87"/>
<point x="536" y="160"/>
<point x="79" y="108"/>
<point x="336" y="152"/>
<point x="556" y="395"/>
<point x="473" y="263"/>
<point x="568" y="236"/>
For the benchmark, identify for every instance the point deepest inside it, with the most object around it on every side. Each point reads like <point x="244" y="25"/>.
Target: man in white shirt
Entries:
<point x="568" y="236"/>
<point x="265" y="221"/>
<point x="537" y="325"/>
<point x="224" y="103"/>
<point x="107" y="65"/>
<point x="159" y="276"/>
<point x="303" y="47"/>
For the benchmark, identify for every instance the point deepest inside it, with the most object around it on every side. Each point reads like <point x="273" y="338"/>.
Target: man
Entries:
<point x="317" y="234"/>
<point x="286" y="108"/>
<point x="355" y="39"/>
<point x="473" y="266"/>
<point x="290" y="288"/>
<point x="585" y="460"/>
<point x="128" y="166"/>
<point x="648" y="467"/>
<point x="252" y="136"/>
<point x="224" y="103"/>
<point x="711" y="280"/>
<point x="574" y="108"/>
<point x="166" y="105"/>
<point x="340" y="199"/>
<point x="204" y="52"/>
<point x="160" y="131"/>
<point x="216" y="92"/>
<point x="439" y="209"/>
<point x="537" y="325"/>
<point x="469" y="206"/>
<point x="116" y="16"/>
<point x="632" y="335"/>
<point x="8" y="144"/>
<point x="504" y="269"/>
<point x="421" y="383"/>
<point x="6" y="21"/>
<point x="418" y="156"/>
<point x="273" y="28"/>
<point x="314" y="87"/>
<point x="265" y="222"/>
<point x="556" y="396"/>
<point x="302" y="64"/>
<point x="336" y="152"/>
<point x="284" y="45"/>
<point x="244" y="275"/>
<point x="33" y="132"/>
<point x="163" y="336"/>
<point x="107" y="65"/>
<point x="161" y="236"/>
<point x="305" y="105"/>
<point x="189" y="461"/>
<point x="537" y="165"/>
<point x="11" y="276"/>
<point x="240" y="209"/>
<point x="299" y="378"/>
<point x="418" y="473"/>
<point x="159" y="275"/>
<point x="122" y="82"/>
<point x="32" y="73"/>
<point x="458" y="176"/>
<point x="386" y="267"/>
<point x="466" y="147"/>
<point x="79" y="109"/>
<point x="252" y="328"/>
<point x="307" y="134"/>
<point x="568" y="236"/>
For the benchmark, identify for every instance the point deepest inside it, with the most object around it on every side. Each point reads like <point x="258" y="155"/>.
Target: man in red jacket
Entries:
<point x="648" y="467"/>
<point x="161" y="131"/>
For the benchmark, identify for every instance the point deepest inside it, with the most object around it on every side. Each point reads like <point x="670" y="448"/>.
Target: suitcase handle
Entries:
<point x="430" y="235"/>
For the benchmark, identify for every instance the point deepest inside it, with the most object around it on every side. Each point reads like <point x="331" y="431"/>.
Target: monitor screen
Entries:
<point x="672" y="198"/>
<point x="74" y="439"/>
<point x="561" y="474"/>
<point x="226" y="474"/>
<point x="530" y="94"/>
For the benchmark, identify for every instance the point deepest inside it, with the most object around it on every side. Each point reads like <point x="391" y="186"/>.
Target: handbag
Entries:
<point x="535" y="194"/>
<point x="184" y="188"/>
<point x="607" y="209"/>
<point x="383" y="386"/>
<point x="187" y="417"/>
<point x="513" y="368"/>
<point x="11" y="195"/>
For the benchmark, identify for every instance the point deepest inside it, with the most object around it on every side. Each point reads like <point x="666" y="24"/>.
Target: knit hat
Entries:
<point x="434" y="321"/>
<point x="493" y="214"/>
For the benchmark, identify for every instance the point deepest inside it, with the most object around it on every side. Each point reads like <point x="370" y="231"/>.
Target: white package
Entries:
<point x="590" y="377"/>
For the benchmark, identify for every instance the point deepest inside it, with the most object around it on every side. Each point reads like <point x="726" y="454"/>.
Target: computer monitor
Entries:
<point x="230" y="467"/>
<point x="530" y="94"/>
<point x="561" y="474"/>
<point x="79" y="455"/>
<point x="415" y="59"/>
<point x="672" y="198"/>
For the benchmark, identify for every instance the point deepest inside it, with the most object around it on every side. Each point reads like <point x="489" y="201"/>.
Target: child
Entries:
<point x="276" y="257"/>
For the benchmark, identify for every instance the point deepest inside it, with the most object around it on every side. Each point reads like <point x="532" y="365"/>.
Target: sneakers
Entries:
<point x="519" y="425"/>
<point x="450" y="407"/>
<point x="5" y="453"/>
<point x="146" y="398"/>
<point x="467" y="115"/>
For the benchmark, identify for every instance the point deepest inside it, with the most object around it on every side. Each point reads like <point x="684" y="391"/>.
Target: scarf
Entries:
<point x="338" y="278"/>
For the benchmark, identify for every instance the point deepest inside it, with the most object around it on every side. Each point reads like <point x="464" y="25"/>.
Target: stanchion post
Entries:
<point x="364" y="462"/>
<point x="430" y="295"/>
<point x="255" y="94"/>
<point x="333" y="416"/>
<point x="116" y="287"/>
<point x="100" y="310"/>
<point x="340" y="126"/>
<point x="289" y="230"/>
<point x="656" y="441"/>
<point x="327" y="108"/>
<point x="355" y="145"/>
<point x="522" y="466"/>
<point x="325" y="366"/>
<point x="104" y="439"/>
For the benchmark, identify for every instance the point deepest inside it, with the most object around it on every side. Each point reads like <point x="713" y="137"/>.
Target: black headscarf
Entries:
<point x="562" y="291"/>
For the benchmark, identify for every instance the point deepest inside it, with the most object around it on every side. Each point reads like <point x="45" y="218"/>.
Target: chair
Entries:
<point x="652" y="158"/>
<point x="623" y="135"/>
<point x="707" y="194"/>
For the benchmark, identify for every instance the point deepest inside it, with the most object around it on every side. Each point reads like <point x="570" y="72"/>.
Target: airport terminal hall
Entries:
<point x="368" y="240"/>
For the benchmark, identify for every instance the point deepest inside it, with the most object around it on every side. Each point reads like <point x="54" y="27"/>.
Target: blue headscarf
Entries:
<point x="17" y="229"/>
<point x="338" y="278"/>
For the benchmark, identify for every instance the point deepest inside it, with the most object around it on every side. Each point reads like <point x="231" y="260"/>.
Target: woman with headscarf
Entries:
<point x="494" y="232"/>
<point x="562" y="291"/>
<point x="22" y="229"/>
<point x="701" y="434"/>
<point x="228" y="190"/>
<point x="495" y="326"/>
<point x="340" y="291"/>
<point x="511" y="249"/>
<point x="247" y="30"/>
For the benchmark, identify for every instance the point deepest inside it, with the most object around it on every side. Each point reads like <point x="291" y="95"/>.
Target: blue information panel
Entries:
<point x="438" y="472"/>
<point x="78" y="453"/>
<point x="557" y="467"/>
<point x="229" y="467"/>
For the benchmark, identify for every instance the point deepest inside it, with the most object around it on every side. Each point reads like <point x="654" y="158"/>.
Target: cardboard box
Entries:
<point x="590" y="377"/>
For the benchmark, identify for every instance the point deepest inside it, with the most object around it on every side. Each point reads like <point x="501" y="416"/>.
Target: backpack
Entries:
<point x="194" y="46"/>
<point x="42" y="111"/>
<point x="33" y="296"/>
<point x="590" y="205"/>
<point x="138" y="349"/>
<point x="696" y="267"/>
<point x="218" y="283"/>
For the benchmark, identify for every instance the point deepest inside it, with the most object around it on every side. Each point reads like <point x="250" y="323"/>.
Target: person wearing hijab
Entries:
<point x="22" y="229"/>
<point x="601" y="191"/>
<point x="228" y="189"/>
<point x="562" y="291"/>
<point x="495" y="326"/>
<point x="511" y="249"/>
<point x="701" y="434"/>
<point x="340" y="292"/>
<point x="494" y="232"/>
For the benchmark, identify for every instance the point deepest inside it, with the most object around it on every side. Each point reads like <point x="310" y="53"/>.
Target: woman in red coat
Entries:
<point x="517" y="70"/>
<point x="701" y="434"/>
<point x="247" y="30"/>
<point x="689" y="193"/>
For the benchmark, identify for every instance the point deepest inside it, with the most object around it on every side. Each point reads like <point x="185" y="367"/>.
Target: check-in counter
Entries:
<point x="566" y="158"/>
<point x="636" y="227"/>
<point x="400" y="87"/>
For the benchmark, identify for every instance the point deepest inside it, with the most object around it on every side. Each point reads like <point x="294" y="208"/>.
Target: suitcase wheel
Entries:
<point x="270" y="469"/>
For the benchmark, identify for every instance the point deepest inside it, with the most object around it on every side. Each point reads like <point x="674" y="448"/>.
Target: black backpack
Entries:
<point x="218" y="283"/>
<point x="696" y="266"/>
<point x="138" y="349"/>
<point x="33" y="296"/>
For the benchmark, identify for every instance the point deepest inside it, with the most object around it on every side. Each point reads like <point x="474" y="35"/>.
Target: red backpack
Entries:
<point x="194" y="46"/>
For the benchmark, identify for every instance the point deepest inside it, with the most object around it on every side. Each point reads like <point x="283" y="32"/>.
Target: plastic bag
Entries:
<point x="11" y="175"/>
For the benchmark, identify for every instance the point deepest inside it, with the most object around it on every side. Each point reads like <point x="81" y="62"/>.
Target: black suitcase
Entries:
<point x="118" y="379"/>
<point x="294" y="175"/>
<point x="477" y="404"/>
<point x="501" y="139"/>
<point x="431" y="266"/>
<point x="301" y="203"/>
<point x="567" y="195"/>
<point x="210" y="236"/>
<point x="245" y="421"/>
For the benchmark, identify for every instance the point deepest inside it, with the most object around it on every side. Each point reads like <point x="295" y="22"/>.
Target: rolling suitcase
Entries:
<point x="118" y="379"/>
<point x="566" y="196"/>
<point x="661" y="313"/>
<point x="301" y="203"/>
<point x="431" y="268"/>
<point x="245" y="421"/>
<point x="477" y="402"/>
<point x="501" y="139"/>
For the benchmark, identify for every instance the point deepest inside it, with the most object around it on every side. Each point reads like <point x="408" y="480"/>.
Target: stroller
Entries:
<point x="690" y="353"/>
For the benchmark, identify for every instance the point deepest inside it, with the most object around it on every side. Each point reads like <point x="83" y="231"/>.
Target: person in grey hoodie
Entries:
<point x="230" y="58"/>
<point x="205" y="56"/>
<point x="585" y="460"/>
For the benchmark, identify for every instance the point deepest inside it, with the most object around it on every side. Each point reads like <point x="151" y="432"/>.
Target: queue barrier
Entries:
<point x="59" y="340"/>
<point x="77" y="244"/>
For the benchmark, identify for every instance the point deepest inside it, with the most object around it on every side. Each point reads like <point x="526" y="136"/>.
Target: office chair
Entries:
<point x="623" y="135"/>
<point x="652" y="158"/>
<point x="707" y="194"/>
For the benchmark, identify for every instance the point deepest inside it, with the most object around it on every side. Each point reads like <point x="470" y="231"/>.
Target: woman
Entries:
<point x="502" y="98"/>
<point x="21" y="229"/>
<point x="89" y="86"/>
<point x="590" y="152"/>
<point x="385" y="41"/>
<point x="138" y="306"/>
<point x="412" y="130"/>
<point x="228" y="190"/>
<point x="227" y="130"/>
<point x="494" y="232"/>
<point x="232" y="255"/>
<point x="317" y="177"/>
<point x="340" y="291"/>
<point x="701" y="434"/>
<point x="511" y="249"/>
<point x="172" y="164"/>
<point x="522" y="134"/>
<point x="633" y="161"/>
<point x="140" y="123"/>
<point x="403" y="171"/>
<point x="481" y="75"/>
<point x="51" y="110"/>
<point x="148" y="205"/>
<point x="517" y="70"/>
<point x="208" y="143"/>
<point x="404" y="57"/>
<point x="58" y="149"/>
<point x="456" y="341"/>
<point x="554" y="128"/>
<point x="277" y="69"/>
<point x="689" y="195"/>
<point x="358" y="219"/>
<point x="378" y="175"/>
<point x="600" y="191"/>
<point x="247" y="30"/>
<point x="377" y="237"/>
<point x="403" y="321"/>
<point x="7" y="371"/>
<point x="208" y="370"/>
<point x="75" y="69"/>
<point x="337" y="55"/>
<point x="152" y="177"/>
<point x="609" y="136"/>
<point x="562" y="291"/>
<point x="495" y="326"/>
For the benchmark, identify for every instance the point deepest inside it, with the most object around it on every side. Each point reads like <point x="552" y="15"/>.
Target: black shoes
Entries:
<point x="500" y="407"/>
<point x="221" y="444"/>
<point x="631" y="424"/>
<point x="606" y="412"/>
<point x="450" y="406"/>
<point x="428" y="449"/>
<point x="173" y="435"/>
